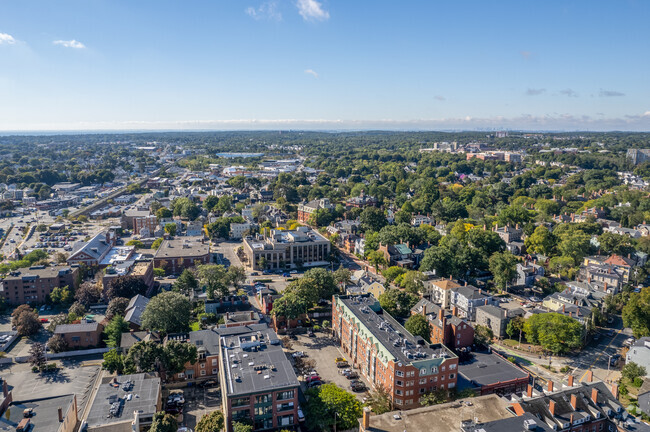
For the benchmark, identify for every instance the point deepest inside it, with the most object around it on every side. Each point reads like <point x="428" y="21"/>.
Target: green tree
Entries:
<point x="158" y="272"/>
<point x="57" y="344"/>
<point x="397" y="303"/>
<point x="236" y="276"/>
<point x="37" y="356"/>
<point x="377" y="259"/>
<point x="636" y="313"/>
<point x="324" y="401"/>
<point x="212" y="422"/>
<point x="391" y="273"/>
<point x="163" y="213"/>
<point x="412" y="281"/>
<point x="61" y="295"/>
<point x="156" y="244"/>
<point x="380" y="400"/>
<point x="372" y="219"/>
<point x="185" y="208"/>
<point x="575" y="245"/>
<point x="113" y="362"/>
<point x="541" y="241"/>
<point x="177" y="354"/>
<point x="631" y="371"/>
<point x="555" y="332"/>
<point x="114" y="330"/>
<point x="145" y="356"/>
<point x="136" y="243"/>
<point x="342" y="276"/>
<point x="186" y="282"/>
<point x="168" y="312"/>
<point x="125" y="286"/>
<point x="482" y="335"/>
<point x="117" y="306"/>
<point x="239" y="426"/>
<point x="418" y="325"/>
<point x="503" y="266"/>
<point x="163" y="422"/>
<point x="515" y="326"/>
<point x="26" y="321"/>
<point x="170" y="229"/>
<point x="435" y="397"/>
<point x="88" y="293"/>
<point x="214" y="277"/>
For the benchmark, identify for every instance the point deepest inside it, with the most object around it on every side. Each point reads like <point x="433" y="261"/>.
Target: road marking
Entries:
<point x="600" y="355"/>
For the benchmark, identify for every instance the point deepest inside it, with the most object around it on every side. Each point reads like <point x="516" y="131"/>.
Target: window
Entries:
<point x="241" y="402"/>
<point x="451" y="385"/>
<point x="434" y="370"/>
<point x="399" y="373"/>
<point x="398" y="392"/>
<point x="409" y="401"/>
<point x="215" y="371"/>
<point x="422" y="390"/>
<point x="452" y="376"/>
<point x="423" y="381"/>
<point x="214" y="362"/>
<point x="423" y="371"/>
<point x="286" y="420"/>
<point x="263" y="399"/>
<point x="443" y="368"/>
<point x="410" y="383"/>
<point x="452" y="366"/>
<point x="202" y="373"/>
<point x="399" y="383"/>
<point x="285" y="406"/>
<point x="202" y="365"/>
<point x="398" y="401"/>
<point x="285" y="395"/>
<point x="434" y="379"/>
<point x="409" y="392"/>
<point x="263" y="410"/>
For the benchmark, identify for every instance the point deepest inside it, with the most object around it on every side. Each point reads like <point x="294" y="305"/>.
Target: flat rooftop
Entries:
<point x="144" y="391"/>
<point x="117" y="254"/>
<point x="254" y="361"/>
<point x="45" y="417"/>
<point x="446" y="417"/>
<point x="485" y="369"/>
<point x="37" y="272"/>
<point x="401" y="344"/>
<point x="180" y="247"/>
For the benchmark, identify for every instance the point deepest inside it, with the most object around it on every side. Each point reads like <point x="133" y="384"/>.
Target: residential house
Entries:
<point x="639" y="353"/>
<point x="398" y="255"/>
<point x="439" y="291"/>
<point x="134" y="310"/>
<point x="507" y="233"/>
<point x="496" y="318"/>
<point x="82" y="335"/>
<point x="527" y="274"/>
<point x="467" y="298"/>
<point x="446" y="328"/>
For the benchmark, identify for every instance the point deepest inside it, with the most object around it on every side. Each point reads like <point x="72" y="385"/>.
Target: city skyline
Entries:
<point x="324" y="65"/>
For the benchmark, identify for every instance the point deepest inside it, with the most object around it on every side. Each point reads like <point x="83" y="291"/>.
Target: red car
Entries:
<point x="312" y="378"/>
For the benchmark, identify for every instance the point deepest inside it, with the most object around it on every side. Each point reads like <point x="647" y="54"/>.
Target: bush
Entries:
<point x="316" y="328"/>
<point x="35" y="369"/>
<point x="564" y="369"/>
<point x="638" y="382"/>
<point x="622" y="389"/>
<point x="511" y="359"/>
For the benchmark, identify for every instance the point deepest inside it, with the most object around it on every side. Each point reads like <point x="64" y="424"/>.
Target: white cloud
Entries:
<point x="535" y="92"/>
<point x="267" y="10"/>
<point x="569" y="92"/>
<point x="7" y="39"/>
<point x="311" y="72"/>
<point x="440" y="98"/>
<point x="610" y="93"/>
<point x="69" y="44"/>
<point x="312" y="10"/>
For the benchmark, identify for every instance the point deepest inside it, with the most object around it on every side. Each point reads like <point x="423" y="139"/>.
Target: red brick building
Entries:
<point x="446" y="327"/>
<point x="175" y="255"/>
<point x="388" y="355"/>
<point x="32" y="285"/>
<point x="82" y="335"/>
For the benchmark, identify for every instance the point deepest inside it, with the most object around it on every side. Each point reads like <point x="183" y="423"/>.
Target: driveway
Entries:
<point x="323" y="350"/>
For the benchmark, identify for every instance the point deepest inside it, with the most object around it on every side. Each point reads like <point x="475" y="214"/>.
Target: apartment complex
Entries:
<point x="446" y="326"/>
<point x="32" y="285"/>
<point x="387" y="354"/>
<point x="302" y="247"/>
<point x="258" y="381"/>
<point x="145" y="226"/>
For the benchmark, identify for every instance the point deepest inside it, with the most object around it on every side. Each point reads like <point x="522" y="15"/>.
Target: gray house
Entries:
<point x="496" y="318"/>
<point x="639" y="353"/>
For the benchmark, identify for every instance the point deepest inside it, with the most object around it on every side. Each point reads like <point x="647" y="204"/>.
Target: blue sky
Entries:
<point x="324" y="64"/>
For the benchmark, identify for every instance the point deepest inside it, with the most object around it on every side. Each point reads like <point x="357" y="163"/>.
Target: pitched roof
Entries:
<point x="75" y="328"/>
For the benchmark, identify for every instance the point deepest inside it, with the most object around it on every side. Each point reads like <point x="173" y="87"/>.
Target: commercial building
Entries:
<point x="92" y="252"/>
<point x="387" y="354"/>
<point x="142" y="270"/>
<point x="50" y="414"/>
<point x="305" y="210"/>
<point x="175" y="255"/>
<point x="488" y="373"/>
<point x="129" y="217"/>
<point x="302" y="247"/>
<point x="125" y="403"/>
<point x="258" y="381"/>
<point x="82" y="335"/>
<point x="32" y="285"/>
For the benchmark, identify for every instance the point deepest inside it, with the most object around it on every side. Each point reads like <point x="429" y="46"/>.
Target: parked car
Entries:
<point x="312" y="378"/>
<point x="301" y="416"/>
<point x="629" y="341"/>
<point x="314" y="383"/>
<point x="351" y="375"/>
<point x="342" y="364"/>
<point x="299" y="354"/>
<point x="357" y="386"/>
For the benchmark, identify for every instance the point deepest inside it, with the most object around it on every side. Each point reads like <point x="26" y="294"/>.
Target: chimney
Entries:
<point x="571" y="419"/>
<point x="518" y="409"/>
<point x="365" y="423"/>
<point x="574" y="401"/>
<point x="454" y="311"/>
<point x="571" y="380"/>
<point x="529" y="391"/>
<point x="563" y="309"/>
<point x="594" y="395"/>
<point x="60" y="410"/>
<point x="550" y="386"/>
<point x="424" y="310"/>
<point x="465" y="283"/>
<point x="252" y="315"/>
<point x="449" y="277"/>
<point x="551" y="407"/>
<point x="615" y="390"/>
<point x="590" y="376"/>
<point x="441" y="314"/>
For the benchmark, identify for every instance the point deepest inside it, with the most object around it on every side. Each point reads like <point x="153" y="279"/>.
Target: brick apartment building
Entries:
<point x="32" y="285"/>
<point x="175" y="255"/>
<point x="387" y="354"/>
<point x="307" y="209"/>
<point x="446" y="327"/>
<point x="82" y="335"/>
<point x="145" y="226"/>
<point x="258" y="381"/>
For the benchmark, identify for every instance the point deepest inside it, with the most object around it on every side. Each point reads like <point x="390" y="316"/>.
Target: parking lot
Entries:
<point x="323" y="351"/>
<point x="74" y="377"/>
<point x="198" y="402"/>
